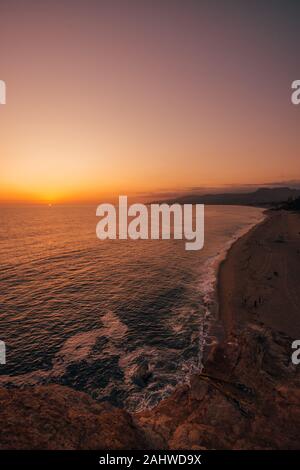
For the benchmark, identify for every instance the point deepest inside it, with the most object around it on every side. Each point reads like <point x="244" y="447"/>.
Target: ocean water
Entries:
<point x="86" y="313"/>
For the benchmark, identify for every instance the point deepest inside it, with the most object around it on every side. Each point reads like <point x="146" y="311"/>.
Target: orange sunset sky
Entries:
<point x="109" y="97"/>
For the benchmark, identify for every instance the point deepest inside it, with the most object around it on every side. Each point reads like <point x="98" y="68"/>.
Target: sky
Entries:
<point x="123" y="97"/>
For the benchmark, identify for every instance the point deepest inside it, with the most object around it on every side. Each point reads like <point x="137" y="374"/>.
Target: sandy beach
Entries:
<point x="259" y="279"/>
<point x="248" y="395"/>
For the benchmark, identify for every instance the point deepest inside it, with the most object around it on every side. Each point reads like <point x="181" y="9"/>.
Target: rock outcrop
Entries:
<point x="248" y="397"/>
<point x="57" y="417"/>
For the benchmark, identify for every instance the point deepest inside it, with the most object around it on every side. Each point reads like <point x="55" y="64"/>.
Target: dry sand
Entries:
<point x="260" y="278"/>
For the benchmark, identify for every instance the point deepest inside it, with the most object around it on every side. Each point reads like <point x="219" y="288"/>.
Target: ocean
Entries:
<point x="123" y="320"/>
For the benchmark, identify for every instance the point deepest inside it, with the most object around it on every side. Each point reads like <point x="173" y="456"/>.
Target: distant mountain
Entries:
<point x="261" y="197"/>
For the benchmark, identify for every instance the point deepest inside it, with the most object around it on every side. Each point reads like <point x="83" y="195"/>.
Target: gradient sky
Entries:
<point x="109" y="97"/>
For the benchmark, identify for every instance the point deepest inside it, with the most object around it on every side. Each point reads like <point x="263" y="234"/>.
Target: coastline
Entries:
<point x="225" y="275"/>
<point x="246" y="397"/>
<point x="217" y="324"/>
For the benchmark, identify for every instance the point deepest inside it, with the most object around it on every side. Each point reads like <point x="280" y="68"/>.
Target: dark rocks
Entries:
<point x="56" y="417"/>
<point x="142" y="374"/>
<point x="199" y="388"/>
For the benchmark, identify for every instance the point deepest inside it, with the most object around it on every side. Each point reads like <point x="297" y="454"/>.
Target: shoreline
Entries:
<point x="204" y="284"/>
<point x="246" y="397"/>
<point x="217" y="324"/>
<point x="224" y="313"/>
